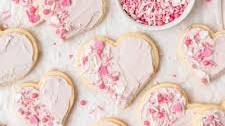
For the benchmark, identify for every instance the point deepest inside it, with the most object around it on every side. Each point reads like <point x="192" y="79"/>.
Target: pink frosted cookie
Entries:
<point x="110" y="122"/>
<point x="154" y="12"/>
<point x="118" y="68"/>
<point x="163" y="105"/>
<point x="18" y="54"/>
<point x="209" y="115"/>
<point x="202" y="50"/>
<point x="66" y="17"/>
<point x="48" y="103"/>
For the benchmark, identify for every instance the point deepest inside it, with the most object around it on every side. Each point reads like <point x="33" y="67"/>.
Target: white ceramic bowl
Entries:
<point x="165" y="26"/>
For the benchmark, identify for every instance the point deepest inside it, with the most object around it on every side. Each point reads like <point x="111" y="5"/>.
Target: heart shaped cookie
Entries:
<point x="18" y="54"/>
<point x="66" y="17"/>
<point x="48" y="103"/>
<point x="110" y="122"/>
<point x="202" y="50"/>
<point x="118" y="68"/>
<point x="163" y="105"/>
<point x="209" y="115"/>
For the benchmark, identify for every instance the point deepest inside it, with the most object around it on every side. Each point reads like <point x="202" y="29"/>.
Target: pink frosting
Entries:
<point x="213" y="118"/>
<point x="163" y="107"/>
<point x="154" y="12"/>
<point x="46" y="106"/>
<point x="204" y="54"/>
<point x="16" y="56"/>
<point x="67" y="17"/>
<point x="119" y="71"/>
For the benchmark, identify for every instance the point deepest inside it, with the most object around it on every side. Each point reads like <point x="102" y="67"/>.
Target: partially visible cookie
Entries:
<point x="66" y="17"/>
<point x="163" y="105"/>
<point x="110" y="122"/>
<point x="47" y="103"/>
<point x="202" y="50"/>
<point x="209" y="115"/>
<point x="18" y="54"/>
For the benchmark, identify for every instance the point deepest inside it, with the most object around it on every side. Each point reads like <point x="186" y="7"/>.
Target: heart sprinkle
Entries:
<point x="200" y="49"/>
<point x="154" y="12"/>
<point x="31" y="110"/>
<point x="163" y="108"/>
<point x="215" y="118"/>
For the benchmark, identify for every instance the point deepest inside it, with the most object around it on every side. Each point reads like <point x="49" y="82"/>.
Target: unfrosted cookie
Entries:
<point x="47" y="103"/>
<point x="110" y="122"/>
<point x="163" y="105"/>
<point x="18" y="54"/>
<point x="66" y="17"/>
<point x="118" y="68"/>
<point x="202" y="50"/>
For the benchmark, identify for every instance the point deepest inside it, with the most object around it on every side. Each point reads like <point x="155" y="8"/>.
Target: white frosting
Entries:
<point x="130" y="60"/>
<point x="219" y="57"/>
<point x="135" y="60"/>
<point x="16" y="56"/>
<point x="56" y="93"/>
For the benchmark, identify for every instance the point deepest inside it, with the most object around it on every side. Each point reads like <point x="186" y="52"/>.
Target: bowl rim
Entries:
<point x="163" y="27"/>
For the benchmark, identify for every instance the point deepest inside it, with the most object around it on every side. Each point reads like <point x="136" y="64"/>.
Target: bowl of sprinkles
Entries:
<point x="157" y="14"/>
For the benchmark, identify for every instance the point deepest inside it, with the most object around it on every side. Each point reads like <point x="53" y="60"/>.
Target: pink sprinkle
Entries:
<point x="188" y="42"/>
<point x="177" y="108"/>
<point x="207" y="52"/>
<point x="146" y="123"/>
<point x="33" y="18"/>
<point x="85" y="60"/>
<point x="152" y="110"/>
<point x="83" y="102"/>
<point x="161" y="115"/>
<point x="34" y="95"/>
<point x="103" y="70"/>
<point x="211" y="118"/>
<point x="34" y="120"/>
<point x="32" y="9"/>
<point x="66" y="2"/>
<point x="205" y="81"/>
<point x="99" y="45"/>
<point x="115" y="78"/>
<point x="46" y="11"/>
<point x="102" y="86"/>
<point x="45" y="120"/>
<point x="209" y="63"/>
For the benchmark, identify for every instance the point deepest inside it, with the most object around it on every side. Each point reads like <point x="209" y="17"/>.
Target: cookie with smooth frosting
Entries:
<point x="163" y="105"/>
<point x="18" y="54"/>
<point x="202" y="50"/>
<point x="119" y="68"/>
<point x="47" y="103"/>
<point x="66" y="17"/>
<point x="110" y="122"/>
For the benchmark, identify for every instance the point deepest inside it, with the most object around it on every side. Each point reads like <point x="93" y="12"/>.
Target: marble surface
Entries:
<point x="56" y="54"/>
